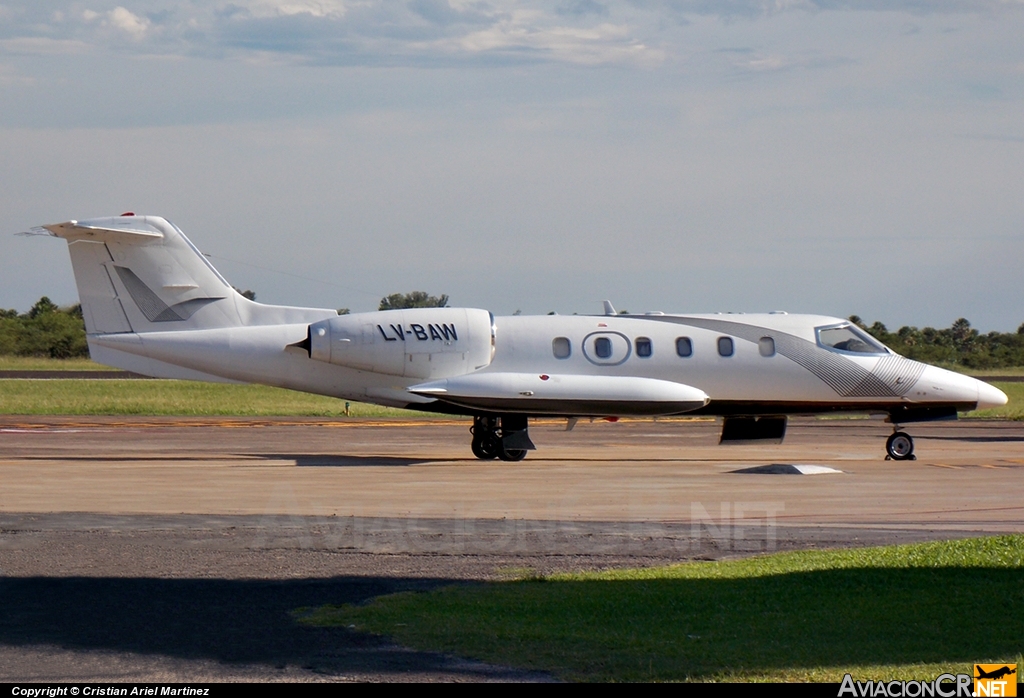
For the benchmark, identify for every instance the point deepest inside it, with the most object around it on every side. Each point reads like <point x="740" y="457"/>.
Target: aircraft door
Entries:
<point x="607" y="348"/>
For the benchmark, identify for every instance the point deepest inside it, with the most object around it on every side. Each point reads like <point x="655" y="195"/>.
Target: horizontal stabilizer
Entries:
<point x="137" y="230"/>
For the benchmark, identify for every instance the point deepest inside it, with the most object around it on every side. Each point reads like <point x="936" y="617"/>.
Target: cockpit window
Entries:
<point x="849" y="338"/>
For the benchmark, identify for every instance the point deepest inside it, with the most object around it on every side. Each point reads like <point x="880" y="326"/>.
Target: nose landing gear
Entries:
<point x="900" y="446"/>
<point x="505" y="437"/>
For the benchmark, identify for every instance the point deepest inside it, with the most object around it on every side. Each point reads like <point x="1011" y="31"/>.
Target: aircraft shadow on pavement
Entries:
<point x="230" y="621"/>
<point x="976" y="439"/>
<point x="330" y="460"/>
<point x="339" y="461"/>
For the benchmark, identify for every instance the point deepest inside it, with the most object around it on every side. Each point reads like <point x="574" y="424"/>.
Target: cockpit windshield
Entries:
<point x="849" y="338"/>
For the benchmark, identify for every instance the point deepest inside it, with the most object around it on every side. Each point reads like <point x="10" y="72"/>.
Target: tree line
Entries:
<point x="45" y="330"/>
<point x="59" y="332"/>
<point x="957" y="345"/>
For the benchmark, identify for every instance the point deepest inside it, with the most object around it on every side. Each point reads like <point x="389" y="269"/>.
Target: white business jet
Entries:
<point x="154" y="305"/>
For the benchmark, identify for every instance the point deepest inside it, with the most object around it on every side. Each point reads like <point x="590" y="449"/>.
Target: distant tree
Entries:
<point x="45" y="330"/>
<point x="416" y="299"/>
<point x="963" y="335"/>
<point x="43" y="305"/>
<point x="10" y="330"/>
<point x="343" y="311"/>
<point x="251" y="295"/>
<point x="57" y="334"/>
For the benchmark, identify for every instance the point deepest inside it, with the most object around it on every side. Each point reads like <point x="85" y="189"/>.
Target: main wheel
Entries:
<point x="512" y="454"/>
<point x="486" y="447"/>
<point x="900" y="446"/>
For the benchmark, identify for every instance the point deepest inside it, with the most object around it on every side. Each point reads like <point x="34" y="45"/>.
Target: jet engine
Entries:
<point x="418" y="342"/>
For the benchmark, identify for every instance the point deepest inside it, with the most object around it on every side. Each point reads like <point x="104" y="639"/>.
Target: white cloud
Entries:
<point x="128" y="22"/>
<point x="605" y="43"/>
<point x="428" y="32"/>
<point x="766" y="63"/>
<point x="277" y="8"/>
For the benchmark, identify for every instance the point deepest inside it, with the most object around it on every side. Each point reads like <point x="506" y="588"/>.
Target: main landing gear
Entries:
<point x="900" y="446"/>
<point x="505" y="437"/>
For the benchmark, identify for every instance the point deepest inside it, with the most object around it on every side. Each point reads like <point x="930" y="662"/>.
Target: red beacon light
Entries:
<point x="128" y="213"/>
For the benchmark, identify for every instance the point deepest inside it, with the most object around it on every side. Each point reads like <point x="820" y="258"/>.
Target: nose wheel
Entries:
<point x="900" y="446"/>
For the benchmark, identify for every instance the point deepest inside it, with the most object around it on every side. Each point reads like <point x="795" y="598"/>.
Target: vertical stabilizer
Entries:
<point x="141" y="274"/>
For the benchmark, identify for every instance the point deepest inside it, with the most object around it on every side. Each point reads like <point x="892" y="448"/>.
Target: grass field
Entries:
<point x="178" y="398"/>
<point x="1014" y="409"/>
<point x="905" y="612"/>
<point x="982" y="372"/>
<point x="39" y="363"/>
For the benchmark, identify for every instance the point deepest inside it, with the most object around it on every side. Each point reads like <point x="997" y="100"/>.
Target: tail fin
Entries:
<point x="141" y="274"/>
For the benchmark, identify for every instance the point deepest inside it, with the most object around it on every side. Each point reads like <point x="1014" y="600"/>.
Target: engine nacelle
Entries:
<point x="418" y="343"/>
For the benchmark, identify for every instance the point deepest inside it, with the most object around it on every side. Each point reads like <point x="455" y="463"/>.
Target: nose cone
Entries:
<point x="941" y="385"/>
<point x="990" y="396"/>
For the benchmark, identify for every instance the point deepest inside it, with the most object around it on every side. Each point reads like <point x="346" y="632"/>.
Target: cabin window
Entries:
<point x="603" y="347"/>
<point x="684" y="346"/>
<point x="766" y="345"/>
<point x="561" y="347"/>
<point x="725" y="347"/>
<point x="849" y="338"/>
<point x="644" y="348"/>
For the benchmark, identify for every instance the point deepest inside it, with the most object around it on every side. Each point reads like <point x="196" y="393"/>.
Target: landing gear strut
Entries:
<point x="900" y="446"/>
<point x="505" y="437"/>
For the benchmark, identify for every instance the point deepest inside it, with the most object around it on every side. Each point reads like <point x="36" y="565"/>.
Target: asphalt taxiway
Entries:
<point x="178" y="549"/>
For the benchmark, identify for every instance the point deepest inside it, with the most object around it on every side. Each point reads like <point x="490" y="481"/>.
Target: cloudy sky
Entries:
<point x="834" y="157"/>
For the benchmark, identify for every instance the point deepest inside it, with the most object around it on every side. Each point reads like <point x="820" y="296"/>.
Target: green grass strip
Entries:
<point x="904" y="612"/>
<point x="178" y="398"/>
<point x="1014" y="409"/>
<point x="39" y="363"/>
